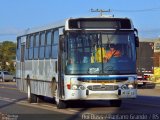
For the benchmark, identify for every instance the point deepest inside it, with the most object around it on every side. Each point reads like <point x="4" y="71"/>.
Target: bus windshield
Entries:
<point x="101" y="53"/>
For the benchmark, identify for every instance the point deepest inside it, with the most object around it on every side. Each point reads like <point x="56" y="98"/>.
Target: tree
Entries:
<point x="7" y="55"/>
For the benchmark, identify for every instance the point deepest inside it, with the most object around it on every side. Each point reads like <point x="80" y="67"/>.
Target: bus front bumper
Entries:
<point x="100" y="95"/>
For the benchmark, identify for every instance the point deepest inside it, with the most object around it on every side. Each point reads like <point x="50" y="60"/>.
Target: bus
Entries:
<point x="66" y="61"/>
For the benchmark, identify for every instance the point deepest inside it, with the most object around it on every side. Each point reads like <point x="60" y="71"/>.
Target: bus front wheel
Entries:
<point x="115" y="103"/>
<point x="61" y="104"/>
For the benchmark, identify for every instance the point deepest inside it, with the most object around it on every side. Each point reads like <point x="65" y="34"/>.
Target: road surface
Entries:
<point x="13" y="104"/>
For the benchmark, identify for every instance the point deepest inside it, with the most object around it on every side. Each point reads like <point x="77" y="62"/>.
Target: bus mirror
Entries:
<point x="137" y="41"/>
<point x="136" y="37"/>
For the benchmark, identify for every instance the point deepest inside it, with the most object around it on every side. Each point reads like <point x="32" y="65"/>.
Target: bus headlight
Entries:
<point x="78" y="87"/>
<point x="130" y="86"/>
<point x="81" y="87"/>
<point x="124" y="87"/>
<point x="74" y="87"/>
<point x="127" y="86"/>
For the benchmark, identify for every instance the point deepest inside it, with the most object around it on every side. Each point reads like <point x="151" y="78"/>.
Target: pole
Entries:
<point x="101" y="11"/>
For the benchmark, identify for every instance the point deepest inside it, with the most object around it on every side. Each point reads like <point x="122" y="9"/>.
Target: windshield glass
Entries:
<point x="101" y="53"/>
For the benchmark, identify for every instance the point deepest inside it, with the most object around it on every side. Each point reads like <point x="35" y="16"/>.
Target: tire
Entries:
<point x="33" y="98"/>
<point x="40" y="99"/>
<point x="115" y="103"/>
<point x="14" y="80"/>
<point x="61" y="104"/>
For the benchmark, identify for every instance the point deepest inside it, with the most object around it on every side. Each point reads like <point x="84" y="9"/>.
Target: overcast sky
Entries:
<point x="17" y="15"/>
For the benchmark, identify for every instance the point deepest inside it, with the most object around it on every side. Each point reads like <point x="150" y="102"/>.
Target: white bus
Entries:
<point x="66" y="60"/>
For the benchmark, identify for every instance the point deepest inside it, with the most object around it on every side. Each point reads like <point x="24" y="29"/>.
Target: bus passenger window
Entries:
<point x="36" y="46"/>
<point x="48" y="45"/>
<point x="31" y="39"/>
<point x="18" y="48"/>
<point x="42" y="45"/>
<point x="27" y="48"/>
<point x="56" y="37"/>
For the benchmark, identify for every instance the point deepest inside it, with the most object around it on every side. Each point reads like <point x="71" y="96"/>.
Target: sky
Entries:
<point x="18" y="15"/>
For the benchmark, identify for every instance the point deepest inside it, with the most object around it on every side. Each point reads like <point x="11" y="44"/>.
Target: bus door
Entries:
<point x="61" y="67"/>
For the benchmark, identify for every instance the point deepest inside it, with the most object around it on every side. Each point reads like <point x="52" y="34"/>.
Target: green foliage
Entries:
<point x="7" y="56"/>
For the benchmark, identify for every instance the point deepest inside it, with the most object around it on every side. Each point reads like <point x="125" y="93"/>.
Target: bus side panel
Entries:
<point x="25" y="71"/>
<point x="41" y="73"/>
<point x="20" y="77"/>
<point x="42" y="88"/>
<point x="35" y="69"/>
<point x="19" y="81"/>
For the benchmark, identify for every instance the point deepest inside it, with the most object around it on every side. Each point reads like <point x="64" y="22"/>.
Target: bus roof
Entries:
<point x="42" y="28"/>
<point x="62" y="24"/>
<point x="99" y="23"/>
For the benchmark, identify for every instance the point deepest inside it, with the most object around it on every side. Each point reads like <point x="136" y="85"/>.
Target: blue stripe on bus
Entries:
<point x="101" y="78"/>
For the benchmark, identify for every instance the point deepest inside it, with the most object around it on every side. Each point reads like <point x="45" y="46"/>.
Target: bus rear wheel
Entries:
<point x="33" y="98"/>
<point x="115" y="103"/>
<point x="36" y="98"/>
<point x="1" y="79"/>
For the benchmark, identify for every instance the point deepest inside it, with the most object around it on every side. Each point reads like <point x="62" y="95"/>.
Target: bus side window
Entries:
<point x="48" y="45"/>
<point x="36" y="46"/>
<point x="42" y="45"/>
<point x="55" y="39"/>
<point x="18" y="48"/>
<point x="31" y="39"/>
<point x="27" y="48"/>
